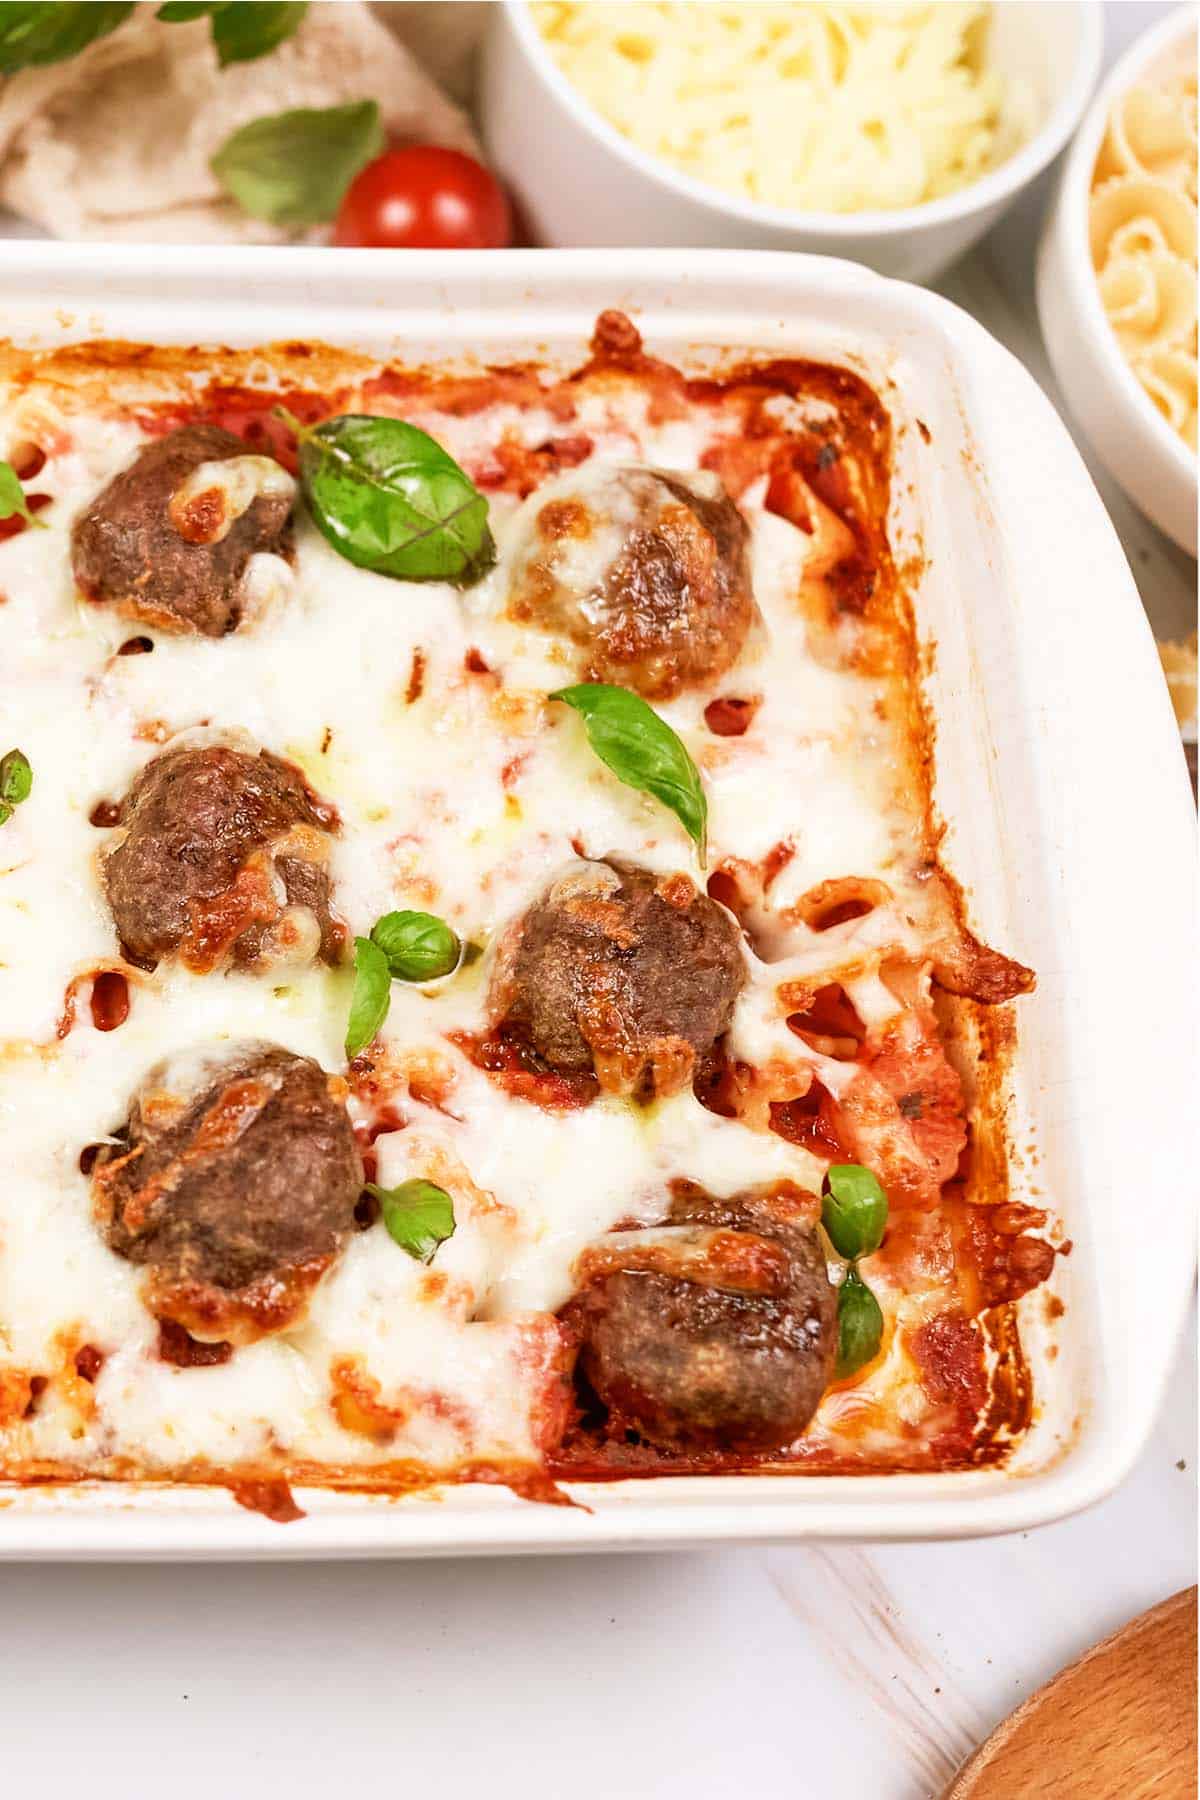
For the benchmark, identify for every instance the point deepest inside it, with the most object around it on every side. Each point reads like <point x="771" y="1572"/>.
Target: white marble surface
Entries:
<point x="838" y="1672"/>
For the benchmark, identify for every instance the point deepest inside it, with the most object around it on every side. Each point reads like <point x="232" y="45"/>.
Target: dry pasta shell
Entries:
<point x="1126" y="197"/>
<point x="1169" y="377"/>
<point x="1149" y="133"/>
<point x="1150" y="300"/>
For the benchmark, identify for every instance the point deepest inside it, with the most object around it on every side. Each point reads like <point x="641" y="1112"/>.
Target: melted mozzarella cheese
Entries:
<point x="464" y="798"/>
<point x="236" y="482"/>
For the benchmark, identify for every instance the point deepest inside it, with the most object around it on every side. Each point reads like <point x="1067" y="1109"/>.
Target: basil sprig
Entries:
<point x="418" y="945"/>
<point x="418" y="1215"/>
<point x="16" y="782"/>
<point x="293" y="168"/>
<point x="33" y="35"/>
<point x="389" y="498"/>
<point x="860" y="1325"/>
<point x="241" y="33"/>
<point x="640" y="748"/>
<point x="403" y="946"/>
<point x="854" y="1212"/>
<point x="12" y="497"/>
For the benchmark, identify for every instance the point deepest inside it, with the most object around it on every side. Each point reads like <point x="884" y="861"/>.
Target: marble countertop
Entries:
<point x="842" y="1671"/>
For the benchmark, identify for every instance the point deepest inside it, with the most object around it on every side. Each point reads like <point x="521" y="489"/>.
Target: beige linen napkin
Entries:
<point x="115" y="143"/>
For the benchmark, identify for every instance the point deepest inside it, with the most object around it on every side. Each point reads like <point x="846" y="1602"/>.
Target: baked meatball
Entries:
<point x="234" y="1187"/>
<point x="733" y="1351"/>
<point x="648" y="571"/>
<point x="622" y="973"/>
<point x="168" y="540"/>
<point x="222" y="854"/>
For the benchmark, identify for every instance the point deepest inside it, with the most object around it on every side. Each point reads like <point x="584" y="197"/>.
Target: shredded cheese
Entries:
<point x="838" y="109"/>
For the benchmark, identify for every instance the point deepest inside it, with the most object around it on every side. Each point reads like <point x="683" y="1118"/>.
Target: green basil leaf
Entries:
<point x="389" y="498"/>
<point x="854" y="1209"/>
<point x="240" y="32"/>
<point x="418" y="946"/>
<point x="182" y="12"/>
<point x="12" y="496"/>
<point x="418" y="1215"/>
<point x="16" y="777"/>
<point x="641" y="749"/>
<point x="6" y="812"/>
<point x="860" y="1325"/>
<point x="32" y="35"/>
<point x="371" y="997"/>
<point x="244" y="33"/>
<point x="293" y="168"/>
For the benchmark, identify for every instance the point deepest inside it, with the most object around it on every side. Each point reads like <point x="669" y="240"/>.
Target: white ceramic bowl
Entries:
<point x="1129" y="434"/>
<point x="581" y="183"/>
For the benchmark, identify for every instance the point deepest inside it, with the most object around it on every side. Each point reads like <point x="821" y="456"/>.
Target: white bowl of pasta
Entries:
<point x="895" y="140"/>
<point x="1116" y="282"/>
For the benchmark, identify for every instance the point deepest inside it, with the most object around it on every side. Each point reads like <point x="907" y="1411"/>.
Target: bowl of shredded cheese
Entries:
<point x="889" y="132"/>
<point x="1117" y="275"/>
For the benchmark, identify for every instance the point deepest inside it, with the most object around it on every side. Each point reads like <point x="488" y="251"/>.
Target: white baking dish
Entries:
<point x="1059" y="772"/>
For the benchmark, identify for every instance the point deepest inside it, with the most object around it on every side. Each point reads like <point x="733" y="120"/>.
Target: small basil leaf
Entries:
<point x="244" y="33"/>
<point x="293" y="168"/>
<point x="418" y="1215"/>
<point x="32" y="35"/>
<point x="389" y="498"/>
<point x="16" y="777"/>
<point x="371" y="997"/>
<point x="860" y="1325"/>
<point x="182" y="12"/>
<point x="418" y="946"/>
<point x="240" y="32"/>
<point x="641" y="749"/>
<point x="854" y="1209"/>
<point x="12" y="496"/>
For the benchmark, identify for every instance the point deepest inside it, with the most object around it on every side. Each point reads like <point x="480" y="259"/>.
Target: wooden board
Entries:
<point x="1119" y="1724"/>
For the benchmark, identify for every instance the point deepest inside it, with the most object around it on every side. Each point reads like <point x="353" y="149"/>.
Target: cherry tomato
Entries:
<point x="424" y="198"/>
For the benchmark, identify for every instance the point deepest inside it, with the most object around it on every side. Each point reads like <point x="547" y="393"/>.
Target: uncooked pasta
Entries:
<point x="1142" y="233"/>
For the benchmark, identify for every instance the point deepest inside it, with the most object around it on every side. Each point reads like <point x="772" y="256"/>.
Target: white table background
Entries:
<point x="839" y="1672"/>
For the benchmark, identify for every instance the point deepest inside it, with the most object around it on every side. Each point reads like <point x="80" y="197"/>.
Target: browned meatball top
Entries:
<point x="222" y="853"/>
<point x="621" y="972"/>
<point x="237" y="1188"/>
<point x="732" y="1354"/>
<point x="170" y="548"/>
<point x="648" y="571"/>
